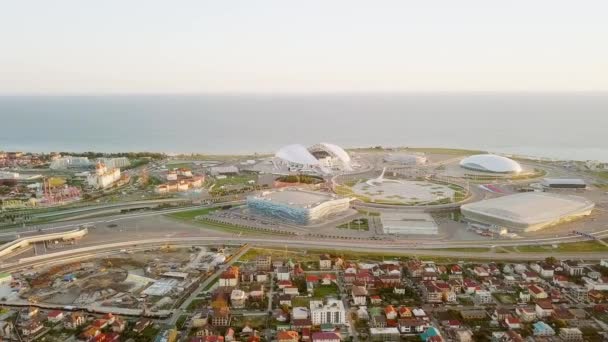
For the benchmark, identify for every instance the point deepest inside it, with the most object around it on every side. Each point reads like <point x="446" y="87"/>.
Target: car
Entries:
<point x="112" y="225"/>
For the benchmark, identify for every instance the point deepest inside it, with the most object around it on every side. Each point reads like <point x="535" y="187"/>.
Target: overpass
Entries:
<point x="23" y="242"/>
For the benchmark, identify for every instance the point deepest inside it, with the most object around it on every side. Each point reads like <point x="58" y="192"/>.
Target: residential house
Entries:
<point x="390" y="312"/>
<point x="542" y="329"/>
<point x="74" y="320"/>
<point x="513" y="322"/>
<point x="359" y="295"/>
<point x="543" y="308"/>
<point x="283" y="273"/>
<point x="288" y="336"/>
<point x="141" y="325"/>
<point x="325" y="262"/>
<point x="384" y="334"/>
<point x="325" y="337"/>
<point x="55" y="316"/>
<point x="526" y="314"/>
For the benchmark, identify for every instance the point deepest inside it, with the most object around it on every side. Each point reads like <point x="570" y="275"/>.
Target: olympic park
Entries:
<point x="413" y="194"/>
<point x="420" y="198"/>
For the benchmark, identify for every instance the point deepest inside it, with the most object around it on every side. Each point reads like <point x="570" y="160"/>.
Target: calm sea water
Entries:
<point x="571" y="126"/>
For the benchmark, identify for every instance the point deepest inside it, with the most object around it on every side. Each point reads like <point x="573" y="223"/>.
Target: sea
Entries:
<point x="553" y="125"/>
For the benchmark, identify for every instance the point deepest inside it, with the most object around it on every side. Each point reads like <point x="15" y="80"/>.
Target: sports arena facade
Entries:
<point x="490" y="163"/>
<point x="297" y="206"/>
<point x="528" y="211"/>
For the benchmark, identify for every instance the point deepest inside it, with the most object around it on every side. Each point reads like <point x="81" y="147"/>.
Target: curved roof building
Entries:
<point x="322" y="156"/>
<point x="527" y="211"/>
<point x="490" y="163"/>
<point x="297" y="154"/>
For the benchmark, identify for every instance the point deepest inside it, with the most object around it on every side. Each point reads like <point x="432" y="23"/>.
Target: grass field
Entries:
<point x="505" y="298"/>
<point x="472" y="249"/>
<point x="322" y="291"/>
<point x="235" y="180"/>
<point x="191" y="214"/>
<point x="357" y="224"/>
<point x="182" y="165"/>
<point x="583" y="246"/>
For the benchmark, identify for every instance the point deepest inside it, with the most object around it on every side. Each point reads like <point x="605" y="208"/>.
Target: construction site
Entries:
<point x="153" y="279"/>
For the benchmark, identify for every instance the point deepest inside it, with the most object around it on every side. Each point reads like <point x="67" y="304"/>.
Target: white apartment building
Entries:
<point x="328" y="311"/>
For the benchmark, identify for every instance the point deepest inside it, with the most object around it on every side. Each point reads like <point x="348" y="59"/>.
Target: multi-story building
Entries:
<point x="359" y="295"/>
<point x="573" y="268"/>
<point x="103" y="177"/>
<point x="571" y="334"/>
<point x="238" y="299"/>
<point x="324" y="262"/>
<point x="482" y="297"/>
<point x="328" y="311"/>
<point x="542" y="329"/>
<point x="263" y="262"/>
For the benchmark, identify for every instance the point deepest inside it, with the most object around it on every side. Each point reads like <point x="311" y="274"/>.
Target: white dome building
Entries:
<point x="490" y="163"/>
<point x="322" y="157"/>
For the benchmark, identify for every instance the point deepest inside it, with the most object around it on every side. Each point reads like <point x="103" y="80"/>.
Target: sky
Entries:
<point x="318" y="46"/>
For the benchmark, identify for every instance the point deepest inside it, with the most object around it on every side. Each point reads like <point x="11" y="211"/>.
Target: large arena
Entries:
<point x="297" y="206"/>
<point x="318" y="158"/>
<point x="490" y="163"/>
<point x="530" y="211"/>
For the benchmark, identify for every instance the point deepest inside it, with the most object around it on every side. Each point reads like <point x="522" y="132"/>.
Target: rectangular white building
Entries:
<point x="329" y="311"/>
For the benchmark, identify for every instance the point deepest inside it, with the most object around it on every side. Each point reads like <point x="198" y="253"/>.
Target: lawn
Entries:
<point x="357" y="224"/>
<point x="191" y="214"/>
<point x="236" y="180"/>
<point x="472" y="249"/>
<point x="583" y="246"/>
<point x="182" y="165"/>
<point x="504" y="298"/>
<point x="300" y="301"/>
<point x="322" y="291"/>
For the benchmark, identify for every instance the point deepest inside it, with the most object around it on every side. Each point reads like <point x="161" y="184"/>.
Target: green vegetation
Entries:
<point x="368" y="213"/>
<point x="602" y="174"/>
<point x="179" y="165"/>
<point x="356" y="224"/>
<point x="583" y="246"/>
<point x="191" y="214"/>
<point x="242" y="179"/>
<point x="300" y="301"/>
<point x="472" y="249"/>
<point x="181" y="321"/>
<point x="195" y="304"/>
<point x="304" y="179"/>
<point x="505" y="298"/>
<point x="322" y="291"/>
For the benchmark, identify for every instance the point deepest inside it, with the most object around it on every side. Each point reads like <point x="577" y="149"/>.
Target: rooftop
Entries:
<point x="296" y="197"/>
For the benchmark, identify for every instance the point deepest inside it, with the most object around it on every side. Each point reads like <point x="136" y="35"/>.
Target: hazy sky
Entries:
<point x="141" y="46"/>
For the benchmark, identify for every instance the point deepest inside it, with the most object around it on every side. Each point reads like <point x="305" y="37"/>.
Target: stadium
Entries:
<point x="297" y="206"/>
<point x="318" y="158"/>
<point x="528" y="211"/>
<point x="490" y="163"/>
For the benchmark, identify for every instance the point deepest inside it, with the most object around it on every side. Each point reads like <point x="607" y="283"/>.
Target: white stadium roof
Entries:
<point x="336" y="151"/>
<point x="297" y="154"/>
<point x="527" y="211"/>
<point x="491" y="163"/>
